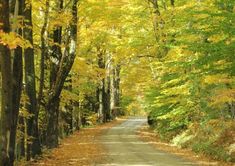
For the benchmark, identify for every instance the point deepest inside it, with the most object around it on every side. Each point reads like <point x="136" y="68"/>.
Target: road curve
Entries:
<point x="126" y="149"/>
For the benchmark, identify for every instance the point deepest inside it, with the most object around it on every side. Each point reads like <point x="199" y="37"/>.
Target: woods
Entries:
<point x="66" y="64"/>
<point x="21" y="45"/>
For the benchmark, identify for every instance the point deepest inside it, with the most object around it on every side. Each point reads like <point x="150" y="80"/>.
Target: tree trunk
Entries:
<point x="53" y="102"/>
<point x="32" y="123"/>
<point x="22" y="138"/>
<point x="61" y="73"/>
<point x="17" y="86"/>
<point x="44" y="54"/>
<point x="53" y="117"/>
<point x="112" y="92"/>
<point x="104" y="101"/>
<point x="101" y="88"/>
<point x="117" y="84"/>
<point x="6" y="100"/>
<point x="107" y="99"/>
<point x="115" y="91"/>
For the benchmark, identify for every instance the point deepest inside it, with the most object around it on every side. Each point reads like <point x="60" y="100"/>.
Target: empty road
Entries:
<point x="126" y="149"/>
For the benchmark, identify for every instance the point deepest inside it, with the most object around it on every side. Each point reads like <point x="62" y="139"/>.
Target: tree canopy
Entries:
<point x="70" y="63"/>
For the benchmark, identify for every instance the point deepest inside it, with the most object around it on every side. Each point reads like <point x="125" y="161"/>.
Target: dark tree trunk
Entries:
<point x="53" y="117"/>
<point x="22" y="138"/>
<point x="33" y="148"/>
<point x="44" y="54"/>
<point x="112" y="92"/>
<point x="66" y="61"/>
<point x="17" y="88"/>
<point x="53" y="101"/>
<point x="107" y="99"/>
<point x="104" y="102"/>
<point x="6" y="100"/>
<point x="117" y="84"/>
<point x="44" y="57"/>
<point x="56" y="50"/>
<point x="101" y="88"/>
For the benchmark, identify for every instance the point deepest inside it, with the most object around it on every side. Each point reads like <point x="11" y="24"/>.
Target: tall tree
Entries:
<point x="115" y="90"/>
<point x="101" y="88"/>
<point x="44" y="54"/>
<point x="66" y="60"/>
<point x="30" y="86"/>
<point x="7" y="84"/>
<point x="17" y="77"/>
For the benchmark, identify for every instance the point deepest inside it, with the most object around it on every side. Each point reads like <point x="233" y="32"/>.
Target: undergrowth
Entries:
<point x="212" y="138"/>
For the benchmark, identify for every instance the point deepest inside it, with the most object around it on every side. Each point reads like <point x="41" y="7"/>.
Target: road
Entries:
<point x="126" y="149"/>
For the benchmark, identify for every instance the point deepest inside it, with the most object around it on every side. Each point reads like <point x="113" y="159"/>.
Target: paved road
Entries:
<point x="126" y="149"/>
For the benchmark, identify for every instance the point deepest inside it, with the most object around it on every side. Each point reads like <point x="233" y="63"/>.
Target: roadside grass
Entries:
<point x="209" y="143"/>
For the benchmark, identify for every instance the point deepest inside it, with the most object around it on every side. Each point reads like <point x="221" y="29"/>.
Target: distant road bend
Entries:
<point x="126" y="149"/>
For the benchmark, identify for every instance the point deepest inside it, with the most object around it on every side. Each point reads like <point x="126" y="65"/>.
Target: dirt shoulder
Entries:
<point x="146" y="134"/>
<point x="80" y="149"/>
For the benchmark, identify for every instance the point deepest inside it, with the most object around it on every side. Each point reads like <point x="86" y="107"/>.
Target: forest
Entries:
<point x="67" y="64"/>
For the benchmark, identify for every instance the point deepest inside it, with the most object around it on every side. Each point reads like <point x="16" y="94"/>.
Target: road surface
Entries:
<point x="126" y="149"/>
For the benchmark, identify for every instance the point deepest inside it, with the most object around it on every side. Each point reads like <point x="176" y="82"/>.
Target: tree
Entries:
<point x="6" y="72"/>
<point x="30" y="85"/>
<point x="17" y="79"/>
<point x="62" y="70"/>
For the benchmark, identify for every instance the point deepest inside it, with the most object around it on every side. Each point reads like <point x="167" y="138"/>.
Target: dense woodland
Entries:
<point x="66" y="64"/>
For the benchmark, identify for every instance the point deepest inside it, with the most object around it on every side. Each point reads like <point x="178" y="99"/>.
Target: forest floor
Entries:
<point x="148" y="135"/>
<point x="80" y="149"/>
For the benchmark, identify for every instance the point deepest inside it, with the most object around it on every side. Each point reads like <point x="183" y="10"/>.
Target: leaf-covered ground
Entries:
<point x="80" y="149"/>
